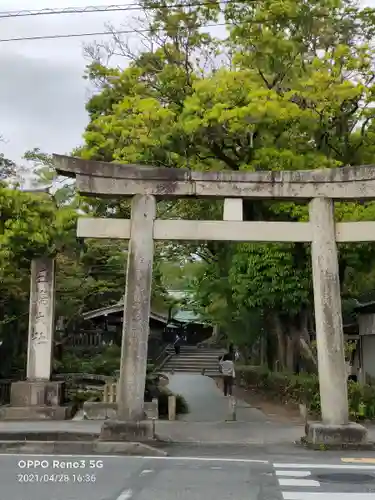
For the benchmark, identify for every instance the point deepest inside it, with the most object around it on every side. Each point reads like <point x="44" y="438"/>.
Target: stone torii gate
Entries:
<point x="320" y="188"/>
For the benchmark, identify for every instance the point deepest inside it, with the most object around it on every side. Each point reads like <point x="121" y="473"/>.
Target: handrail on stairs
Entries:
<point x="163" y="354"/>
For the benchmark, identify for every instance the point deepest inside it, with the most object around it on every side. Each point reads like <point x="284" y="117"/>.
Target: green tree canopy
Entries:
<point x="290" y="87"/>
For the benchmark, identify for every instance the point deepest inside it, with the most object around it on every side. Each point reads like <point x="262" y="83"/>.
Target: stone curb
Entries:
<point x="196" y="442"/>
<point x="81" y="448"/>
<point x="42" y="436"/>
<point x="304" y="443"/>
<point x="247" y="444"/>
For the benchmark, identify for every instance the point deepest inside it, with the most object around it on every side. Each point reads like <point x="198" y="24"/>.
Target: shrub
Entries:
<point x="181" y="403"/>
<point x="105" y="363"/>
<point x="304" y="389"/>
<point x="161" y="393"/>
<point x="77" y="397"/>
<point x="80" y="396"/>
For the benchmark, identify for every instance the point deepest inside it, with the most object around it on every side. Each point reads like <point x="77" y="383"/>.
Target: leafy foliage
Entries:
<point x="89" y="275"/>
<point x="7" y="168"/>
<point x="304" y="389"/>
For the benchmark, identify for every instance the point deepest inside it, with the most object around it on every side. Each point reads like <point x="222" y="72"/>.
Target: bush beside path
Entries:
<point x="281" y="393"/>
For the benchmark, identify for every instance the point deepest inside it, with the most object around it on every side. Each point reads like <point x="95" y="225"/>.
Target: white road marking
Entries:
<point x="325" y="466"/>
<point x="328" y="495"/>
<point x="293" y="473"/>
<point x="77" y="456"/>
<point x="201" y="459"/>
<point x="211" y="459"/>
<point x="298" y="482"/>
<point x="359" y="460"/>
<point x="125" y="495"/>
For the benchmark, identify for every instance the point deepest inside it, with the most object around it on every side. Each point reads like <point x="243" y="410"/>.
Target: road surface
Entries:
<point x="317" y="476"/>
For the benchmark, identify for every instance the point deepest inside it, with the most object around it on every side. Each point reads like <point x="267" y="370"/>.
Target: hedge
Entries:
<point x="155" y="390"/>
<point x="181" y="403"/>
<point x="304" y="389"/>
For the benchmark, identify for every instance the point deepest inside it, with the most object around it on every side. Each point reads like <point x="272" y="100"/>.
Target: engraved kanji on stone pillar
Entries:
<point x="41" y="319"/>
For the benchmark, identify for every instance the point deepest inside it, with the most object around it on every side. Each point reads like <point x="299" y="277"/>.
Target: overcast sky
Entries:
<point x="42" y="92"/>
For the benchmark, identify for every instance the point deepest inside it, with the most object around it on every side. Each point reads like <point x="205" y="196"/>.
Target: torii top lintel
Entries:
<point x="111" y="180"/>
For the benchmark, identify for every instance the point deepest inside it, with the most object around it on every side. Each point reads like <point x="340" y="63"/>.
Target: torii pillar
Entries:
<point x="130" y="422"/>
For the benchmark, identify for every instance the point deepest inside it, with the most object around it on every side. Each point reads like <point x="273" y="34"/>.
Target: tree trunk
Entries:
<point x="291" y="352"/>
<point x="214" y="337"/>
<point x="277" y="332"/>
<point x="299" y="353"/>
<point x="262" y="350"/>
<point x="215" y="333"/>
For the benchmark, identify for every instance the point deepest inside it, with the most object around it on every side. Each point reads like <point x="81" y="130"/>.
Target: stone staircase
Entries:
<point x="194" y="359"/>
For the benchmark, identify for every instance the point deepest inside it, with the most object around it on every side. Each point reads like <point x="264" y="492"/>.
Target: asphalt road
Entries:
<point x="309" y="476"/>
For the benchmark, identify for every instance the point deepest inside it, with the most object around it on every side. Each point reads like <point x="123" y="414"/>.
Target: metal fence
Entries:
<point x="89" y="338"/>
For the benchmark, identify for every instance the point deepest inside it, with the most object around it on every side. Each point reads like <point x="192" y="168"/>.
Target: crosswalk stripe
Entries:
<point x="288" y="477"/>
<point x="327" y="495"/>
<point x="293" y="473"/>
<point x="324" y="466"/>
<point x="298" y="482"/>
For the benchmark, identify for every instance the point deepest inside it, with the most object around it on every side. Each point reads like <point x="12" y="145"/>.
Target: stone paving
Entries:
<point x="210" y="418"/>
<point x="207" y="422"/>
<point x="206" y="402"/>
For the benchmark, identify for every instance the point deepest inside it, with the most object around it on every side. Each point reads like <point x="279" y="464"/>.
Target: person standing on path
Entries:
<point x="234" y="352"/>
<point x="177" y="344"/>
<point x="227" y="370"/>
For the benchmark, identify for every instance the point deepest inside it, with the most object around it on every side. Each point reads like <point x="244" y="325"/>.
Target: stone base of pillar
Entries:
<point x="117" y="430"/>
<point x="321" y="434"/>
<point x="36" y="400"/>
<point x="38" y="393"/>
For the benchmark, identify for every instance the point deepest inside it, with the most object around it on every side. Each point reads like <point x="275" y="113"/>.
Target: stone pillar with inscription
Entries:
<point x="38" y="396"/>
<point x="41" y="319"/>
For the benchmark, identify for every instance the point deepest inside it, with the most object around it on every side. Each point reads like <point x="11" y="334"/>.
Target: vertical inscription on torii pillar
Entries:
<point x="41" y="319"/>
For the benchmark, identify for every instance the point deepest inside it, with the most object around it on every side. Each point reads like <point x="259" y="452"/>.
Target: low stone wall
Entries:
<point x="104" y="411"/>
<point x="99" y="410"/>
